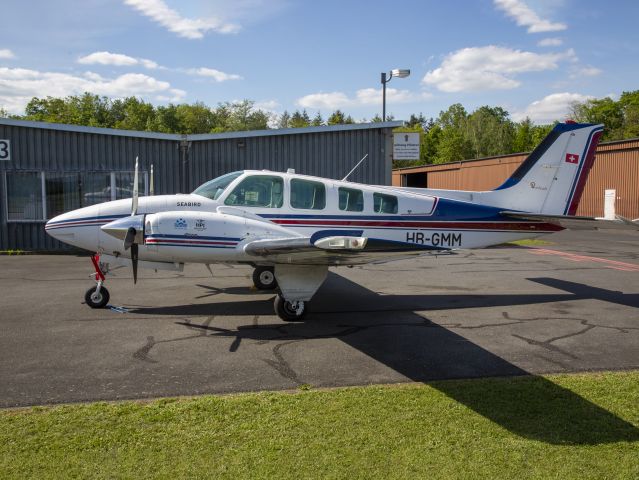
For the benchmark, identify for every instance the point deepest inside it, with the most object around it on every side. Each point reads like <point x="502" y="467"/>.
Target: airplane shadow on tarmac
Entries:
<point x="426" y="352"/>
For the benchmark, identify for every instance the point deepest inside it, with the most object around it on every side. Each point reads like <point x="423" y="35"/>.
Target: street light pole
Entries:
<point x="398" y="72"/>
<point x="384" y="96"/>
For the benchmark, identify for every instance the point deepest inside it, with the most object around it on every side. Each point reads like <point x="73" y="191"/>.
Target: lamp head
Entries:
<point x="400" y="72"/>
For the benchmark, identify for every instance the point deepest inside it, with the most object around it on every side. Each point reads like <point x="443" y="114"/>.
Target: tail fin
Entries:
<point x="552" y="178"/>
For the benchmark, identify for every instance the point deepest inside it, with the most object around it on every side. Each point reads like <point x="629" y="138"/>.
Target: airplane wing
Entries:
<point x="577" y="223"/>
<point x="333" y="250"/>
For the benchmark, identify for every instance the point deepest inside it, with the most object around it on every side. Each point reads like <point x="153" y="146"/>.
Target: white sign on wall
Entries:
<point x="406" y="146"/>
<point x="5" y="150"/>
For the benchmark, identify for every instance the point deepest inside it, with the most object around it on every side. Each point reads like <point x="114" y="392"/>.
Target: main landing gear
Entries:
<point x="98" y="296"/>
<point x="290" y="311"/>
<point x="264" y="278"/>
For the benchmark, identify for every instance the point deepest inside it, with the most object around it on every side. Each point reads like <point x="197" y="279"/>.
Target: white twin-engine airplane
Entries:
<point x="292" y="227"/>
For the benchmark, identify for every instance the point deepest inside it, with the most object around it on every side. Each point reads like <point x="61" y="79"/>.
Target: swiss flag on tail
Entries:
<point x="572" y="158"/>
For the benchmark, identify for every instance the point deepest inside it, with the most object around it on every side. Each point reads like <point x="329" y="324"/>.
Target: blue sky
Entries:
<point x="533" y="57"/>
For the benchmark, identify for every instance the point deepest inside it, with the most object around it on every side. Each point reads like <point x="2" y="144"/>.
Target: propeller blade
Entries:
<point x="134" y="261"/>
<point x="129" y="239"/>
<point x="134" y="200"/>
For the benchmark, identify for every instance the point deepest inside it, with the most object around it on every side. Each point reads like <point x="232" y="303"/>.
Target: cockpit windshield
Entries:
<point x="214" y="188"/>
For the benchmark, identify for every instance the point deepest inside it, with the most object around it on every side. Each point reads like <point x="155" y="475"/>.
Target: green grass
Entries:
<point x="564" y="426"/>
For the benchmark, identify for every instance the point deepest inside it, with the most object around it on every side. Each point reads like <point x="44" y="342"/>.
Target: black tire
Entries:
<point x="286" y="312"/>
<point x="264" y="278"/>
<point x="100" y="302"/>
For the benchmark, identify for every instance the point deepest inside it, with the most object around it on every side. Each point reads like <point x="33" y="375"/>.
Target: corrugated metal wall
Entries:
<point x="330" y="153"/>
<point x="616" y="167"/>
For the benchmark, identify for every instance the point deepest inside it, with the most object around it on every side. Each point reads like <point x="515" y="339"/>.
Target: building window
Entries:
<point x="258" y="191"/>
<point x="124" y="184"/>
<point x="383" y="203"/>
<point x="95" y="188"/>
<point x="24" y="196"/>
<point x="62" y="193"/>
<point x="351" y="200"/>
<point x="308" y="195"/>
<point x="37" y="196"/>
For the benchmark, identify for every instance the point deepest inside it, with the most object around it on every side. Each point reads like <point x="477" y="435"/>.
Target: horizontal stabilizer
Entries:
<point x="576" y="223"/>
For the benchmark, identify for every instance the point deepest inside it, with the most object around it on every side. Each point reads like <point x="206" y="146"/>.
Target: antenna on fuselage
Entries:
<point x="354" y="168"/>
<point x="151" y="182"/>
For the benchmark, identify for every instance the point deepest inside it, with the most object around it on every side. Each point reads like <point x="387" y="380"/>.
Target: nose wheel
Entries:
<point x="98" y="296"/>
<point x="264" y="278"/>
<point x="290" y="310"/>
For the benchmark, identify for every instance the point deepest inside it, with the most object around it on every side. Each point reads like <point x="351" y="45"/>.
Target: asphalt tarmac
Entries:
<point x="567" y="307"/>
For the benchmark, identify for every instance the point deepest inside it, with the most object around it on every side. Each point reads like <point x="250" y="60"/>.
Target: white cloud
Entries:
<point x="363" y="97"/>
<point x="268" y="105"/>
<point x="550" y="108"/>
<point x="550" y="42"/>
<point x="19" y="85"/>
<point x="524" y="16"/>
<point x="160" y="12"/>
<point x="116" y="59"/>
<point x="489" y="68"/>
<point x="6" y="54"/>
<point x="331" y="100"/>
<point x="107" y="58"/>
<point x="585" y="71"/>
<point x="216" y="75"/>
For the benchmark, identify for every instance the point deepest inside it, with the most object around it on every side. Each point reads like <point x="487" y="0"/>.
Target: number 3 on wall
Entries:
<point x="5" y="150"/>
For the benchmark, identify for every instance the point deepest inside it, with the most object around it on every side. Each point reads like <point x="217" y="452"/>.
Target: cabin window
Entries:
<point x="308" y="195"/>
<point x="351" y="200"/>
<point x="264" y="191"/>
<point x="383" y="203"/>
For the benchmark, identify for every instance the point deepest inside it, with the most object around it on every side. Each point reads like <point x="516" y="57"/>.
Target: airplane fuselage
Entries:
<point x="194" y="228"/>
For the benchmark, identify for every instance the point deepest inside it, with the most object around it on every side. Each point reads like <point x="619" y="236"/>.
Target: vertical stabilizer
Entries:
<point x="552" y="178"/>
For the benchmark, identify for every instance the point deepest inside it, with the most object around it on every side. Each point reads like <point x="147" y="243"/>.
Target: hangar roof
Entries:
<point x="196" y="137"/>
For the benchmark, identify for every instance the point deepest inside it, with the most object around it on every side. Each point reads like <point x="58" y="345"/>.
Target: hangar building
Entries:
<point x="47" y="169"/>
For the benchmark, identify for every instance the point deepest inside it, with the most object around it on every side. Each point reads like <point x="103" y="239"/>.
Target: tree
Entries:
<point x="317" y="121"/>
<point x="490" y="131"/>
<point x="420" y="120"/>
<point x="284" y="120"/>
<point x="194" y="118"/>
<point x="338" y="118"/>
<point x="601" y="110"/>
<point x="299" y="120"/>
<point x="240" y="116"/>
<point x="136" y="115"/>
<point x="629" y="102"/>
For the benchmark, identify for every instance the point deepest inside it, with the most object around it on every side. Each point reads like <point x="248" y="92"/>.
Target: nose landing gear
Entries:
<point x="98" y="296"/>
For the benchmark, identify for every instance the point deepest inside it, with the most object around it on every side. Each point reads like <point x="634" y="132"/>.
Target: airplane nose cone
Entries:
<point x="57" y="227"/>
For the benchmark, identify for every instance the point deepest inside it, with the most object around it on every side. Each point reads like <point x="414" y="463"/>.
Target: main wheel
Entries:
<point x="290" y="311"/>
<point x="264" y="278"/>
<point x="95" y="299"/>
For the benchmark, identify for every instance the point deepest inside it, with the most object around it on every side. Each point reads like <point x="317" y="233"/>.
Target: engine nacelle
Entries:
<point x="201" y="235"/>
